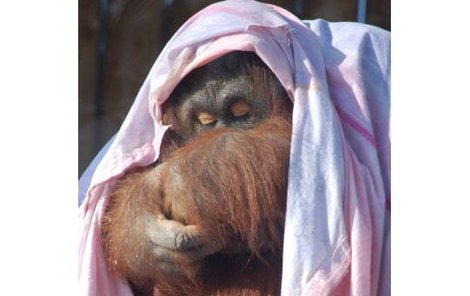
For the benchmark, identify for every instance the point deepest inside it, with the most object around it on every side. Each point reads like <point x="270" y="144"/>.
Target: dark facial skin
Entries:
<point x="225" y="93"/>
<point x="215" y="200"/>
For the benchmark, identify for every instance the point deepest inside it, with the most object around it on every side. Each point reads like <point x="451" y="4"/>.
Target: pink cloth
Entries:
<point x="337" y="235"/>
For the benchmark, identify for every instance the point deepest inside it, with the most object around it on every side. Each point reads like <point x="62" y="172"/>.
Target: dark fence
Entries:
<point x="119" y="41"/>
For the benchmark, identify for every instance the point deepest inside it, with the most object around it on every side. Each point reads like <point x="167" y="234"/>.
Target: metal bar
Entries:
<point x="102" y="54"/>
<point x="361" y="11"/>
<point x="167" y="11"/>
<point x="298" y="8"/>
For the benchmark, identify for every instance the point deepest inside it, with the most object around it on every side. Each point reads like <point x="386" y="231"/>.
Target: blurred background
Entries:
<point x="119" y="40"/>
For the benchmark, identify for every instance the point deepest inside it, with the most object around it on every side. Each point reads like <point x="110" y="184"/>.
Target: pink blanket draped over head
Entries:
<point x="337" y="232"/>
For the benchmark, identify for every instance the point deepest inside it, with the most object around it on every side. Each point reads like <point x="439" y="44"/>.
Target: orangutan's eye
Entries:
<point x="240" y="109"/>
<point x="206" y="118"/>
